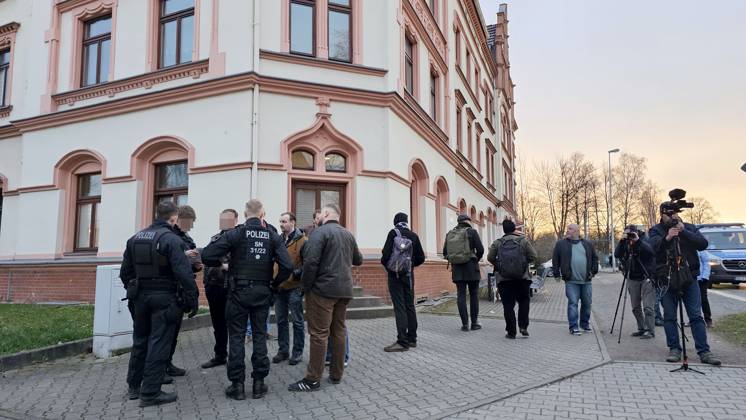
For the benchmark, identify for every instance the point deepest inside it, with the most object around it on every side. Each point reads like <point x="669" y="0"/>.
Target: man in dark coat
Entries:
<point x="575" y="260"/>
<point x="467" y="275"/>
<point x="635" y="257"/>
<point x="401" y="284"/>
<point x="663" y="239"/>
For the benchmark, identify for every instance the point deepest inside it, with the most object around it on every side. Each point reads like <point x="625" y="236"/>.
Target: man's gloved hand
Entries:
<point x="192" y="301"/>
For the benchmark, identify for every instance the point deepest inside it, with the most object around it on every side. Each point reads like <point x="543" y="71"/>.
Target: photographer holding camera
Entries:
<point x="637" y="259"/>
<point x="675" y="245"/>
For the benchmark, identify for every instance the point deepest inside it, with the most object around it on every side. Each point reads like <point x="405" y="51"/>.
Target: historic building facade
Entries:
<point x="110" y="106"/>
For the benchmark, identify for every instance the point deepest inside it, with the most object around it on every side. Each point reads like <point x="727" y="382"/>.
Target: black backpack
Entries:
<point x="511" y="261"/>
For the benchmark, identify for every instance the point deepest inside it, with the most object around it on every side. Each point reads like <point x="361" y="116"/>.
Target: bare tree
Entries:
<point x="531" y="209"/>
<point x="629" y="179"/>
<point x="703" y="212"/>
<point x="650" y="198"/>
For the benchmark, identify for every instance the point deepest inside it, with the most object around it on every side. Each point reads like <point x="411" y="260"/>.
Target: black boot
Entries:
<point x="215" y="361"/>
<point x="158" y="399"/>
<point x="133" y="392"/>
<point x="259" y="389"/>
<point x="172" y="370"/>
<point x="236" y="391"/>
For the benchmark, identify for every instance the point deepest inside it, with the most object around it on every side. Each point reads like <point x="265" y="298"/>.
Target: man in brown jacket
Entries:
<point x="289" y="298"/>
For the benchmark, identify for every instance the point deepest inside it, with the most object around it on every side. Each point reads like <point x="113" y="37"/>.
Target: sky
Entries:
<point x="662" y="79"/>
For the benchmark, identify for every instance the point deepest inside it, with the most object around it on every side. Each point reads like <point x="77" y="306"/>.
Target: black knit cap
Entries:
<point x="463" y="217"/>
<point x="508" y="226"/>
<point x="401" y="218"/>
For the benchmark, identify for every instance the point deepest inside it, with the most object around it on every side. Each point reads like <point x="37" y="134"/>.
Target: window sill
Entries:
<point x="318" y="62"/>
<point x="147" y="80"/>
<point x="5" y="111"/>
<point x="80" y="254"/>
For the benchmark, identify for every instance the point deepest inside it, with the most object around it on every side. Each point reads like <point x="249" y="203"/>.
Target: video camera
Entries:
<point x="677" y="203"/>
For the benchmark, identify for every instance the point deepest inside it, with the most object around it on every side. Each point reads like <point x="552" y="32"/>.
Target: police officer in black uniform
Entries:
<point x="216" y="291"/>
<point x="254" y="250"/>
<point x="154" y="262"/>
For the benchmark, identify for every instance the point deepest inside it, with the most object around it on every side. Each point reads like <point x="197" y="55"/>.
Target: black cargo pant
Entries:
<point x="512" y="292"/>
<point x="216" y="299"/>
<point x="177" y="329"/>
<point x="401" y="288"/>
<point x="155" y="315"/>
<point x="248" y="304"/>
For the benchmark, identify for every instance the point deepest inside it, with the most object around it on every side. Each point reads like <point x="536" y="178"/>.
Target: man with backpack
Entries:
<point x="463" y="249"/>
<point x="401" y="253"/>
<point x="511" y="256"/>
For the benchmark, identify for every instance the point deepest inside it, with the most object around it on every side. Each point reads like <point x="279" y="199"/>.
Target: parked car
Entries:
<point x="727" y="252"/>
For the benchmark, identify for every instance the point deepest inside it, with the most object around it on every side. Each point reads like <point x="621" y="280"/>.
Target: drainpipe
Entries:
<point x="255" y="104"/>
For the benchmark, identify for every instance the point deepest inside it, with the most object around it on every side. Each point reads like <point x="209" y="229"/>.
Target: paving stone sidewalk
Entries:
<point x="449" y="371"/>
<point x="629" y="391"/>
<point x="549" y="304"/>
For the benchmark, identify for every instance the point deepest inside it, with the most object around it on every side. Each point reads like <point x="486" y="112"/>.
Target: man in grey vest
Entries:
<point x="254" y="250"/>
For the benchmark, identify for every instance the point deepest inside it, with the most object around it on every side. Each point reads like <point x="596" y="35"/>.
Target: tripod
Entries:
<point x="676" y="271"/>
<point x="622" y="291"/>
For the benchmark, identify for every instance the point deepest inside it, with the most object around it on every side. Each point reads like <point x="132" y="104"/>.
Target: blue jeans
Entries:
<point x="248" y="327"/>
<point x="290" y="301"/>
<point x="347" y="349"/>
<point x="583" y="293"/>
<point x="693" y="306"/>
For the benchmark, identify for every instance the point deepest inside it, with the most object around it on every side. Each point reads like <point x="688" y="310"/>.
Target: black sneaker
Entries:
<point x="236" y="391"/>
<point x="658" y="322"/>
<point x="259" y="389"/>
<point x="295" y="360"/>
<point x="587" y="329"/>
<point x="172" y="370"/>
<point x="465" y="328"/>
<point x="304" y="385"/>
<point x="510" y="336"/>
<point x="396" y="347"/>
<point x="167" y="380"/>
<point x="158" y="399"/>
<point x="475" y="327"/>
<point x="524" y="332"/>
<point x="647" y="335"/>
<point x="575" y="332"/>
<point x="638" y="333"/>
<point x="334" y="381"/>
<point x="133" y="392"/>
<point x="215" y="361"/>
<point x="412" y="344"/>
<point x="674" y="356"/>
<point x="280" y="357"/>
<point x="709" y="359"/>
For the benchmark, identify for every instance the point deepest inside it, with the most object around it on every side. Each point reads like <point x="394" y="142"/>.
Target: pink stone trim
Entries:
<point x="146" y="81"/>
<point x="321" y="138"/>
<point x="420" y="179"/>
<point x="285" y="26"/>
<point x="322" y="25"/>
<point x="357" y="31"/>
<point x="90" y="10"/>
<point x="8" y="40"/>
<point x="73" y="163"/>
<point x="158" y="149"/>
<point x="325" y="64"/>
<point x="217" y="58"/>
<point x="153" y="33"/>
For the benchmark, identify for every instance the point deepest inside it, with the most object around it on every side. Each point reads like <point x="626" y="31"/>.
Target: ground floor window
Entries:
<point x="309" y="196"/>
<point x="171" y="183"/>
<point x="86" y="212"/>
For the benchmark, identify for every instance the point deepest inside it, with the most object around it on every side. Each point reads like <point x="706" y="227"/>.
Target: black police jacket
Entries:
<point x="691" y="241"/>
<point x="254" y="250"/>
<point x="170" y="246"/>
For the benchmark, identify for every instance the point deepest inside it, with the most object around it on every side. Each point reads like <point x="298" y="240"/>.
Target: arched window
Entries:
<point x="441" y="210"/>
<point x="78" y="174"/>
<point x="419" y="189"/>
<point x="303" y="160"/>
<point x="335" y="162"/>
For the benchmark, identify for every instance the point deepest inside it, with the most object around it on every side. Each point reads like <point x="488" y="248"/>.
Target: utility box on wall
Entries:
<point x="112" y="322"/>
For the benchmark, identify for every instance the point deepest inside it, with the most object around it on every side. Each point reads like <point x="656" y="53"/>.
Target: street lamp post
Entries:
<point x="611" y="214"/>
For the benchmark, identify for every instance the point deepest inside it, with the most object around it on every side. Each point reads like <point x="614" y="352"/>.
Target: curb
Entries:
<point x="45" y="354"/>
<point x="512" y="393"/>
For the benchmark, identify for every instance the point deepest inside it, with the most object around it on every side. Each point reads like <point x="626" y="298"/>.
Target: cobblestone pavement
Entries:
<point x="605" y="295"/>
<point x="449" y="371"/>
<point x="548" y="305"/>
<point x="629" y="391"/>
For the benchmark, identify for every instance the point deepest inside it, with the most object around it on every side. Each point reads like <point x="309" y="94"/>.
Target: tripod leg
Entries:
<point x="621" y="322"/>
<point x="616" y="311"/>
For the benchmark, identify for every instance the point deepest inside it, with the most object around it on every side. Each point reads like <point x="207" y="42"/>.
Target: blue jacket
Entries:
<point x="704" y="266"/>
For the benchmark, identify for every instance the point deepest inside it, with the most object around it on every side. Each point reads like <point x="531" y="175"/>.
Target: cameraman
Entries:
<point x="636" y="259"/>
<point x="662" y="240"/>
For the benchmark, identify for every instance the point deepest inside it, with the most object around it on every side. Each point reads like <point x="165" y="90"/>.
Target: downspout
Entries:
<point x="255" y="104"/>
